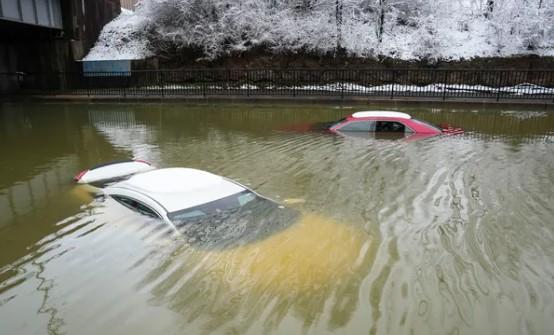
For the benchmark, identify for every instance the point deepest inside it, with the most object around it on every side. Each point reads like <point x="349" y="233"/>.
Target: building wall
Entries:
<point x="42" y="13"/>
<point x="29" y="48"/>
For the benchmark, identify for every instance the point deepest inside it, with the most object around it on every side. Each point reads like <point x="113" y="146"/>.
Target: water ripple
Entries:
<point x="447" y="234"/>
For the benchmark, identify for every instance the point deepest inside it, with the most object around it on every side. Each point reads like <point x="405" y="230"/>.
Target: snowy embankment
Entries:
<point x="352" y="88"/>
<point x="400" y="29"/>
<point x="122" y="38"/>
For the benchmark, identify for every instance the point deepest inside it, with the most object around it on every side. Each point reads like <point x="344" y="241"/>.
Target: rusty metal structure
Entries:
<point x="49" y="35"/>
<point x="45" y="13"/>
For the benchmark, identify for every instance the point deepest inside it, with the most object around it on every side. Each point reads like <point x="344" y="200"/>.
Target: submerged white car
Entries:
<point x="236" y="233"/>
<point x="205" y="207"/>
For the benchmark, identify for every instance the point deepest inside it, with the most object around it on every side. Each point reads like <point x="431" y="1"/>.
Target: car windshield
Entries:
<point x="231" y="202"/>
<point x="237" y="219"/>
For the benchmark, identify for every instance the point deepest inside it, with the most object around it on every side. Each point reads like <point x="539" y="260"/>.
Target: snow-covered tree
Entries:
<point x="405" y="29"/>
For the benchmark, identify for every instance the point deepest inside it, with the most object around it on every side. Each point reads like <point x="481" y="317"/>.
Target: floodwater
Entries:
<point x="442" y="235"/>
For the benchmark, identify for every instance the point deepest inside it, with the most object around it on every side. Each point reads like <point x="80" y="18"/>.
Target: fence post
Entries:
<point x="203" y="81"/>
<point x="88" y="84"/>
<point x="393" y="80"/>
<point x="341" y="83"/>
<point x="294" y="82"/>
<point x="127" y="75"/>
<point x="63" y="86"/>
<point x="499" y="86"/>
<point x="162" y="82"/>
<point x="444" y="85"/>
<point x="247" y="82"/>
<point x="551" y="79"/>
<point x="228" y="81"/>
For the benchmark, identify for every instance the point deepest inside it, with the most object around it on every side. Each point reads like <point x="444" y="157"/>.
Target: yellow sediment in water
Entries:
<point x="312" y="253"/>
<point x="83" y="193"/>
<point x="293" y="201"/>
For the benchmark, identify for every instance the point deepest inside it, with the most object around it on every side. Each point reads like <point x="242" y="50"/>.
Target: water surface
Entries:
<point x="441" y="235"/>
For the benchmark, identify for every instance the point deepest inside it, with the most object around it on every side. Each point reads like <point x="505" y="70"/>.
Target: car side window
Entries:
<point x="136" y="206"/>
<point x="391" y="127"/>
<point x="367" y="126"/>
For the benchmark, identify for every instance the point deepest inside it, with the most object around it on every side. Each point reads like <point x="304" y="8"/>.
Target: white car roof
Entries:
<point x="178" y="188"/>
<point x="381" y="114"/>
<point x="113" y="170"/>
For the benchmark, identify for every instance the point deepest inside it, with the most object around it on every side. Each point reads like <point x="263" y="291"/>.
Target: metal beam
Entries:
<point x="35" y="11"/>
<point x="27" y="12"/>
<point x="49" y="12"/>
<point x="19" y="10"/>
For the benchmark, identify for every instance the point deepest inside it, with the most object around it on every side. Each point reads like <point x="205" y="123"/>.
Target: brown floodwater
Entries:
<point x="440" y="235"/>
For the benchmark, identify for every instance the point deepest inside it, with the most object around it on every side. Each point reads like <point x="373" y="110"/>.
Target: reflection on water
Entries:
<point x="435" y="235"/>
<point x="28" y="196"/>
<point x="122" y="131"/>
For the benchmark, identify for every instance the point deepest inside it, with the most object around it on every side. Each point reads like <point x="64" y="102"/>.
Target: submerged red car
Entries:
<point x="388" y="122"/>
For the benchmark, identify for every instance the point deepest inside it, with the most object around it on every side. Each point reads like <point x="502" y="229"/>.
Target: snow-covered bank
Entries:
<point x="352" y="88"/>
<point x="122" y="38"/>
<point x="400" y="29"/>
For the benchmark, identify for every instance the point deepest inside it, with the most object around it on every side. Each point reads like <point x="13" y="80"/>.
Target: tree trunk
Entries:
<point x="381" y="21"/>
<point x="490" y="8"/>
<point x="338" y="19"/>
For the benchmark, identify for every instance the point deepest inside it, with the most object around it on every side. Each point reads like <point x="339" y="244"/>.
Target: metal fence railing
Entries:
<point x="383" y="83"/>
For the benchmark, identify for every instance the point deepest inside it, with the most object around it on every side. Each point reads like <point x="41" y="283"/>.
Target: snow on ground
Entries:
<point x="438" y="88"/>
<point x="402" y="29"/>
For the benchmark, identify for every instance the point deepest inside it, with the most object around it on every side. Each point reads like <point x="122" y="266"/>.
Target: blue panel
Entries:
<point x="107" y="67"/>
<point x="28" y="11"/>
<point x="46" y="12"/>
<point x="56" y="13"/>
<point x="43" y="12"/>
<point x="10" y="9"/>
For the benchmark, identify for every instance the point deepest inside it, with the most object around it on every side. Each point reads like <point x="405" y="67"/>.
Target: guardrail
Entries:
<point x="383" y="83"/>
